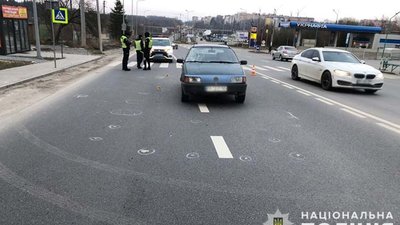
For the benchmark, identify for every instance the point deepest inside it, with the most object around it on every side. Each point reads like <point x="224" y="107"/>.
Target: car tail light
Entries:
<point x="187" y="79"/>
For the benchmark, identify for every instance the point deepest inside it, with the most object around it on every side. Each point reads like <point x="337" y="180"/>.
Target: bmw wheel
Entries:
<point x="273" y="56"/>
<point x="326" y="81"/>
<point x="295" y="73"/>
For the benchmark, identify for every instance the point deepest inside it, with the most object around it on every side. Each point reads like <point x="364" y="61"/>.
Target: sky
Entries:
<point x="319" y="9"/>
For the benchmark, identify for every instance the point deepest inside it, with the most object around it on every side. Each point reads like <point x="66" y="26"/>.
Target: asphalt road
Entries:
<point x="120" y="148"/>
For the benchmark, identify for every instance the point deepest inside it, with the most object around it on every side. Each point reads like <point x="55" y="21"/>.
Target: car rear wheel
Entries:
<point x="295" y="73"/>
<point x="326" y="81"/>
<point x="280" y="57"/>
<point x="239" y="98"/>
<point x="369" y="91"/>
<point x="184" y="97"/>
<point x="273" y="56"/>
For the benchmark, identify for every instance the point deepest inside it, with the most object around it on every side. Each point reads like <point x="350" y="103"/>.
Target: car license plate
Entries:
<point x="364" y="81"/>
<point x="216" y="88"/>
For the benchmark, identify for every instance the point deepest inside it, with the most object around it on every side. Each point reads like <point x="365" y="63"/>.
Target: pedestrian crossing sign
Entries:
<point x="60" y="15"/>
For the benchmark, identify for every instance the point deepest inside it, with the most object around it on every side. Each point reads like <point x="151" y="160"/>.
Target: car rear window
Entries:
<point x="212" y="54"/>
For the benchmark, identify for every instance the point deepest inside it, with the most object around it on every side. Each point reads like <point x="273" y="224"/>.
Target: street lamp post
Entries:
<point x="336" y="11"/>
<point x="137" y="11"/>
<point x="386" y="36"/>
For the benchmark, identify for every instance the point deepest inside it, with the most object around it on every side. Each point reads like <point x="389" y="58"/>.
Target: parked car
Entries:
<point x="284" y="53"/>
<point x="174" y="45"/>
<point x="336" y="68"/>
<point x="211" y="70"/>
<point x="162" y="50"/>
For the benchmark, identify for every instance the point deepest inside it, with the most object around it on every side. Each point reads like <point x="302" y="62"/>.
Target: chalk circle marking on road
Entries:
<point x="297" y="156"/>
<point x="274" y="140"/>
<point x="195" y="121"/>
<point x="245" y="158"/>
<point x="145" y="151"/>
<point x="114" y="127"/>
<point x="95" y="138"/>
<point x="193" y="155"/>
<point x="126" y="112"/>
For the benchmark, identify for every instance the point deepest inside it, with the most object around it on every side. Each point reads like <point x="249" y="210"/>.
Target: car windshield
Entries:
<point x="212" y="55"/>
<point x="161" y="42"/>
<point x="332" y="56"/>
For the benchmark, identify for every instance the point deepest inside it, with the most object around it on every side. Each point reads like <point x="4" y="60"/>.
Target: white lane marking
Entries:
<point x="221" y="147"/>
<point x="287" y="86"/>
<point x="132" y="64"/>
<point x="203" y="108"/>
<point x="173" y="56"/>
<point x="151" y="64"/>
<point x="273" y="68"/>
<point x="164" y="65"/>
<point x="324" y="101"/>
<point x="276" y="82"/>
<point x="292" y="116"/>
<point x="304" y="93"/>
<point x="389" y="127"/>
<point x="284" y="68"/>
<point x="265" y="78"/>
<point x="179" y="65"/>
<point x="260" y="68"/>
<point x="353" y="113"/>
<point x="397" y="126"/>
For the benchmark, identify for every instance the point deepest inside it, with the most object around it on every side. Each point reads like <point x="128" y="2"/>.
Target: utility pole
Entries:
<point x="104" y="7"/>
<point x="37" y="35"/>
<point x="83" y="23"/>
<point x="99" y="26"/>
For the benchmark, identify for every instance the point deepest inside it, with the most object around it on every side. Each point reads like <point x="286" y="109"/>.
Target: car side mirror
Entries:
<point x="243" y="62"/>
<point x="362" y="62"/>
<point x="180" y="61"/>
<point x="316" y="59"/>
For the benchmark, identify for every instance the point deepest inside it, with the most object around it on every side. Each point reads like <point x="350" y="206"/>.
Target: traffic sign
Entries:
<point x="60" y="15"/>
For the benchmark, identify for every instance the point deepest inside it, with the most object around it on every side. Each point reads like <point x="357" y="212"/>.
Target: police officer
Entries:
<point x="126" y="46"/>
<point x="148" y="44"/>
<point x="139" y="50"/>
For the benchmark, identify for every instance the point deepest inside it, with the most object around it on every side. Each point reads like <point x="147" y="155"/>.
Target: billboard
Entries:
<point x="14" y="12"/>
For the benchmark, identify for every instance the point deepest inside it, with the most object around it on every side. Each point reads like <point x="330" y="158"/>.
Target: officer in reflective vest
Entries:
<point x="126" y="46"/>
<point x="139" y="50"/>
<point x="148" y="44"/>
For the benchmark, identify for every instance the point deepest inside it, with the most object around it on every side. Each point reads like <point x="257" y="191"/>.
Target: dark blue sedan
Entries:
<point x="212" y="69"/>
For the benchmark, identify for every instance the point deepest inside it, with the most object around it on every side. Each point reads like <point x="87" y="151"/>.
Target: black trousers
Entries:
<point x="147" y="59"/>
<point x="125" y="58"/>
<point x="139" y="58"/>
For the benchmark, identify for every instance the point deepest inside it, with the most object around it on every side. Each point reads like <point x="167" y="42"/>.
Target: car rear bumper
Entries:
<point x="200" y="89"/>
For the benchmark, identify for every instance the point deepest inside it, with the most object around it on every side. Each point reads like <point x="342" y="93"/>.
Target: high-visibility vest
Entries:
<point x="123" y="44"/>
<point x="150" y="42"/>
<point x="137" y="45"/>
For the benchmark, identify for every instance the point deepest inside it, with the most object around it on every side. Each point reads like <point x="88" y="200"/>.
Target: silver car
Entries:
<point x="284" y="53"/>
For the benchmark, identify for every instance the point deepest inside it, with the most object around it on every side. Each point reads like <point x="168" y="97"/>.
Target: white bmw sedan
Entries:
<point x="336" y="68"/>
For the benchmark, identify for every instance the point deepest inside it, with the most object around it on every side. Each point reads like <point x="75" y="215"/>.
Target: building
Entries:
<point x="195" y="19"/>
<point x="13" y="28"/>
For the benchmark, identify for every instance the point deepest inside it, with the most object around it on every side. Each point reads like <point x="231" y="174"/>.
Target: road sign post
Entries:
<point x="59" y="16"/>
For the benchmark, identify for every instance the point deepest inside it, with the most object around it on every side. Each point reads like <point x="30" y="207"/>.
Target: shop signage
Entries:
<point x="14" y="12"/>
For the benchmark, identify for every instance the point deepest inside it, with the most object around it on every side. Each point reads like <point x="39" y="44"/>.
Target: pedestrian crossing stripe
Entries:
<point x="59" y="16"/>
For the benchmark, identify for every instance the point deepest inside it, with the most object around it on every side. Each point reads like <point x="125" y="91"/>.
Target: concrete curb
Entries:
<point x="47" y="74"/>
